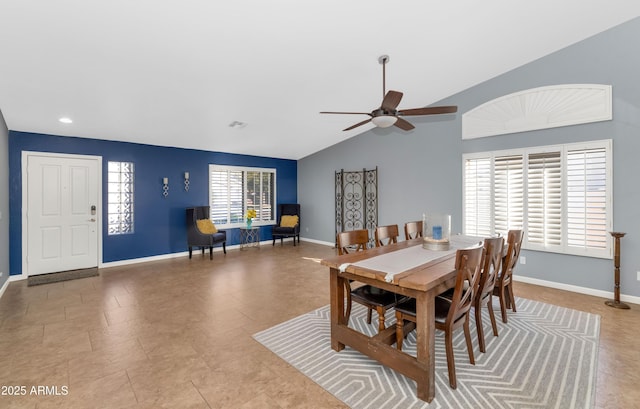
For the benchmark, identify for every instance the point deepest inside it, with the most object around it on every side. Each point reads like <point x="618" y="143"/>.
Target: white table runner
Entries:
<point x="402" y="260"/>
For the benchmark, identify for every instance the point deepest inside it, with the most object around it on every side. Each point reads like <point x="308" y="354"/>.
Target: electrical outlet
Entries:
<point x="523" y="260"/>
<point x="1" y="274"/>
<point x="638" y="275"/>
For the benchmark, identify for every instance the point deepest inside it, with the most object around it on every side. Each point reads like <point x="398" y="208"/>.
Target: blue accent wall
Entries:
<point x="159" y="226"/>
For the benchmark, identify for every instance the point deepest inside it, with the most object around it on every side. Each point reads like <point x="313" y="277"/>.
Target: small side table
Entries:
<point x="249" y="237"/>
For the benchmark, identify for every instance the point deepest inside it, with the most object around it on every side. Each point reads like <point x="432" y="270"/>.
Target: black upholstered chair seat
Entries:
<point x="284" y="231"/>
<point x="442" y="306"/>
<point x="367" y="294"/>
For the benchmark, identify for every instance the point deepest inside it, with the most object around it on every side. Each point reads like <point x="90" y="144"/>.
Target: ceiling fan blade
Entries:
<point x="404" y="125"/>
<point x="357" y="125"/>
<point x="429" y="110"/>
<point x="347" y="113"/>
<point x="391" y="100"/>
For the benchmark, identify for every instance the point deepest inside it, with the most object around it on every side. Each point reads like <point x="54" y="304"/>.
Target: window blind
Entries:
<point x="508" y="193"/>
<point x="477" y="197"/>
<point x="559" y="195"/>
<point x="586" y="198"/>
<point x="234" y="190"/>
<point x="544" y="199"/>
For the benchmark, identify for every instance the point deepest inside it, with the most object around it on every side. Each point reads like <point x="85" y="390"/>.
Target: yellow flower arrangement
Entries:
<point x="251" y="213"/>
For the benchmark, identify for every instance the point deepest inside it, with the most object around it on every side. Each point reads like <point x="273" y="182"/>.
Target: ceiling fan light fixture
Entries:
<point x="384" y="121"/>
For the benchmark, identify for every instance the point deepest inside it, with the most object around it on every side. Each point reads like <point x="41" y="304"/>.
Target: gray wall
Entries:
<point x="421" y="170"/>
<point x="4" y="201"/>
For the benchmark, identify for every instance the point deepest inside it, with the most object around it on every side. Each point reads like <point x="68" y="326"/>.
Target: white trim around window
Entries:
<point x="560" y="195"/>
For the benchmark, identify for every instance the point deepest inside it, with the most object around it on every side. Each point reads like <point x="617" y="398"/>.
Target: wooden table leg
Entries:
<point x="337" y="286"/>
<point x="426" y="345"/>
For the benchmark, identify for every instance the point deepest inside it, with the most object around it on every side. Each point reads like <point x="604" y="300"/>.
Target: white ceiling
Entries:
<point x="177" y="73"/>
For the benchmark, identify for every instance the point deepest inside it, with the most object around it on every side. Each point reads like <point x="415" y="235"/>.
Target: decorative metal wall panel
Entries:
<point x="357" y="201"/>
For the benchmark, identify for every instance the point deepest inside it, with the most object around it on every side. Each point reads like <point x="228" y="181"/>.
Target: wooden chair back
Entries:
<point x="412" y="230"/>
<point x="514" y="243"/>
<point x="468" y="265"/>
<point x="386" y="235"/>
<point x="493" y="248"/>
<point x="351" y="241"/>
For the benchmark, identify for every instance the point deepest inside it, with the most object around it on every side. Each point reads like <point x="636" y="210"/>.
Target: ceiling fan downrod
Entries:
<point x="384" y="59"/>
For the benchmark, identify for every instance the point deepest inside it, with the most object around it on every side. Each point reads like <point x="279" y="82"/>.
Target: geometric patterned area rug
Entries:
<point x="545" y="357"/>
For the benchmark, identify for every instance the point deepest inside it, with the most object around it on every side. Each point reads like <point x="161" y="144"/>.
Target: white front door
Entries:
<point x="63" y="212"/>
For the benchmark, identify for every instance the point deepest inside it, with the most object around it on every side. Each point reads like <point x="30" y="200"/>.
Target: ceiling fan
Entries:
<point x="387" y="115"/>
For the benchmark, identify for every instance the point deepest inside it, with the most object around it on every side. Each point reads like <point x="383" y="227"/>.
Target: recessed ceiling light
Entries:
<point x="65" y="120"/>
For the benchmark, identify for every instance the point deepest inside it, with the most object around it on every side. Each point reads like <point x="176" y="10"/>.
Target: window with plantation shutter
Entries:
<point x="587" y="198"/>
<point x="234" y="190"/>
<point x="508" y="190"/>
<point x="477" y="197"/>
<point x="544" y="199"/>
<point x="559" y="195"/>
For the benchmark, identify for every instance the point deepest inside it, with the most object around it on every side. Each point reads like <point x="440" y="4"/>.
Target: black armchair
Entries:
<point x="197" y="238"/>
<point x="281" y="231"/>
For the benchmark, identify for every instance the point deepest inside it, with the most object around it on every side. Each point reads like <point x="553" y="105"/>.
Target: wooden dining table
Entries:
<point x="407" y="270"/>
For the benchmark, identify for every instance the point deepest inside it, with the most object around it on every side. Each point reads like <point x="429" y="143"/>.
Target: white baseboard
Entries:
<point x="4" y="286"/>
<point x="576" y="289"/>
<point x="324" y="243"/>
<point x="120" y="263"/>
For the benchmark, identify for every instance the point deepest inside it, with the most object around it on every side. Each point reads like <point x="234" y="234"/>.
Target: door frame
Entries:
<point x="25" y="198"/>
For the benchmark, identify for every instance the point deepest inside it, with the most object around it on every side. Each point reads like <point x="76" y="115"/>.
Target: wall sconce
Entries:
<point x="165" y="187"/>
<point x="186" y="181"/>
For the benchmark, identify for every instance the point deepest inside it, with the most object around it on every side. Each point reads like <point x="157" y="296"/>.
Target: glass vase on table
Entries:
<point x="436" y="231"/>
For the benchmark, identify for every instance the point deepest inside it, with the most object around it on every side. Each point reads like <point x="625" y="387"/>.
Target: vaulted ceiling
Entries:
<point x="179" y="73"/>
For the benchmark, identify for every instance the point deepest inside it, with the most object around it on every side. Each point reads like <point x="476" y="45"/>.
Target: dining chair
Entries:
<point x="412" y="230"/>
<point x="504" y="287"/>
<point x="373" y="298"/>
<point x="386" y="235"/>
<point x="449" y="314"/>
<point x="493" y="248"/>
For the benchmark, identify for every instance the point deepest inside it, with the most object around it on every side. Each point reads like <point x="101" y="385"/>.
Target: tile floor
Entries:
<point x="177" y="334"/>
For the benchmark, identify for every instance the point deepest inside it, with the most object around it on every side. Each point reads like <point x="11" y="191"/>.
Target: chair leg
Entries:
<point x="467" y="335"/>
<point x="190" y="251"/>
<point x="211" y="253"/>
<point x="512" y="298"/>
<point x="451" y="365"/>
<point x="399" y="330"/>
<point x="274" y="242"/>
<point x="294" y="241"/>
<point x="381" y="313"/>
<point x="492" y="316"/>
<point x="224" y="247"/>
<point x="347" y="312"/>
<point x="479" y="329"/>
<point x="503" y="305"/>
